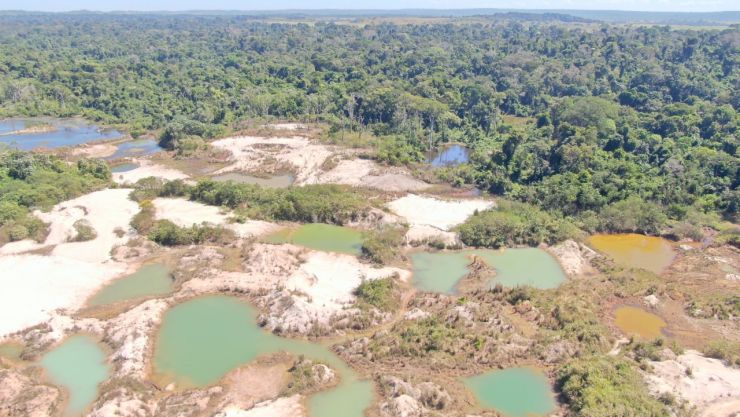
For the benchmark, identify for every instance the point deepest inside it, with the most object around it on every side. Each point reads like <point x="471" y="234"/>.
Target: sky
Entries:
<point x="174" y="5"/>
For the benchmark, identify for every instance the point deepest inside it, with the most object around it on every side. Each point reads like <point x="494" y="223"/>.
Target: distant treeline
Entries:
<point x="574" y="118"/>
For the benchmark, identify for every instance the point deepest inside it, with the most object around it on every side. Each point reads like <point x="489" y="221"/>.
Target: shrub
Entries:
<point x="604" y="386"/>
<point x="382" y="246"/>
<point x="84" y="231"/>
<point x="724" y="350"/>
<point x="379" y="293"/>
<point x="166" y="233"/>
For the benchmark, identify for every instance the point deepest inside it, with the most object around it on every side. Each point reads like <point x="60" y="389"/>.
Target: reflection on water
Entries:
<point x="63" y="132"/>
<point x="136" y="148"/>
<point x="449" y="156"/>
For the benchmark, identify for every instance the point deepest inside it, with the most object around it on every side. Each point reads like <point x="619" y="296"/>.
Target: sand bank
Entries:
<point x="704" y="382"/>
<point x="148" y="169"/>
<point x="186" y="213"/>
<point x="34" y="286"/>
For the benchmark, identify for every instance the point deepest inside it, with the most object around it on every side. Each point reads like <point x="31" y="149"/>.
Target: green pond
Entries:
<point x="515" y="392"/>
<point x="274" y="181"/>
<point x="441" y="271"/>
<point x="149" y="280"/>
<point x="320" y="236"/>
<point x="203" y="339"/>
<point x="79" y="365"/>
<point x="636" y="251"/>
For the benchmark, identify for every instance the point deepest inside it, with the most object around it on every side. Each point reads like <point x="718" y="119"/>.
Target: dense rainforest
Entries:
<point x="616" y="126"/>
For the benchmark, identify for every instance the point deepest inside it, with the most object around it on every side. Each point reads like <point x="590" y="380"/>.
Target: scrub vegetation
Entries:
<point x="30" y="181"/>
<point x="332" y="204"/>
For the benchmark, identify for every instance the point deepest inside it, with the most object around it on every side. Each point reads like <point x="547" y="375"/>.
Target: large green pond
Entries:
<point x="78" y="365"/>
<point x="441" y="271"/>
<point x="515" y="392"/>
<point x="150" y="280"/>
<point x="320" y="236"/>
<point x="203" y="339"/>
<point x="635" y="251"/>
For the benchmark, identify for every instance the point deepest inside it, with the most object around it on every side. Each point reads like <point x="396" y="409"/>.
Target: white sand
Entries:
<point x="711" y="386"/>
<point x="441" y="214"/>
<point x="281" y="407"/>
<point x="301" y="286"/>
<point x="98" y="150"/>
<point x="186" y="213"/>
<point x="367" y="173"/>
<point x="148" y="169"/>
<point x="34" y="286"/>
<point x="251" y="153"/>
<point x="105" y="211"/>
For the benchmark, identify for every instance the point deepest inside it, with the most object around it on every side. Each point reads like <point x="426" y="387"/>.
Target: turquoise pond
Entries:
<point x="441" y="271"/>
<point x="514" y="392"/>
<point x="79" y="366"/>
<point x="66" y="132"/>
<point x="201" y="340"/>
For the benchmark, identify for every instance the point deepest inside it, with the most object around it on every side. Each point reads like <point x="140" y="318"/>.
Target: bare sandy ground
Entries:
<point x="301" y="286"/>
<point x="186" y="213"/>
<point x="34" y="286"/>
<point x="148" y="169"/>
<point x="367" y="173"/>
<point x="704" y="382"/>
<point x="99" y="150"/>
<point x="252" y="153"/>
<point x="281" y="407"/>
<point x="307" y="159"/>
<point x="431" y="218"/>
<point x="108" y="212"/>
<point x="573" y="257"/>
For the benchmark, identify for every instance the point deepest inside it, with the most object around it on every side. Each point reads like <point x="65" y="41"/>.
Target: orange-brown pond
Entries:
<point x="635" y="251"/>
<point x="634" y="321"/>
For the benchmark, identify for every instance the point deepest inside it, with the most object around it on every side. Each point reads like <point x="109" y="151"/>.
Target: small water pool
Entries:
<point x="634" y="321"/>
<point x="136" y="148"/>
<point x="635" y="251"/>
<point x="150" y="280"/>
<point x="63" y="132"/>
<point x="320" y="236"/>
<point x="449" y="156"/>
<point x="79" y="365"/>
<point x="515" y="392"/>
<point x="441" y="271"/>
<point x="124" y="168"/>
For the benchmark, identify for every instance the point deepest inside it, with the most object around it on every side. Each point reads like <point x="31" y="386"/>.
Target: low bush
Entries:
<point x="379" y="293"/>
<point x="605" y="386"/>
<point x="166" y="233"/>
<point x="382" y="246"/>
